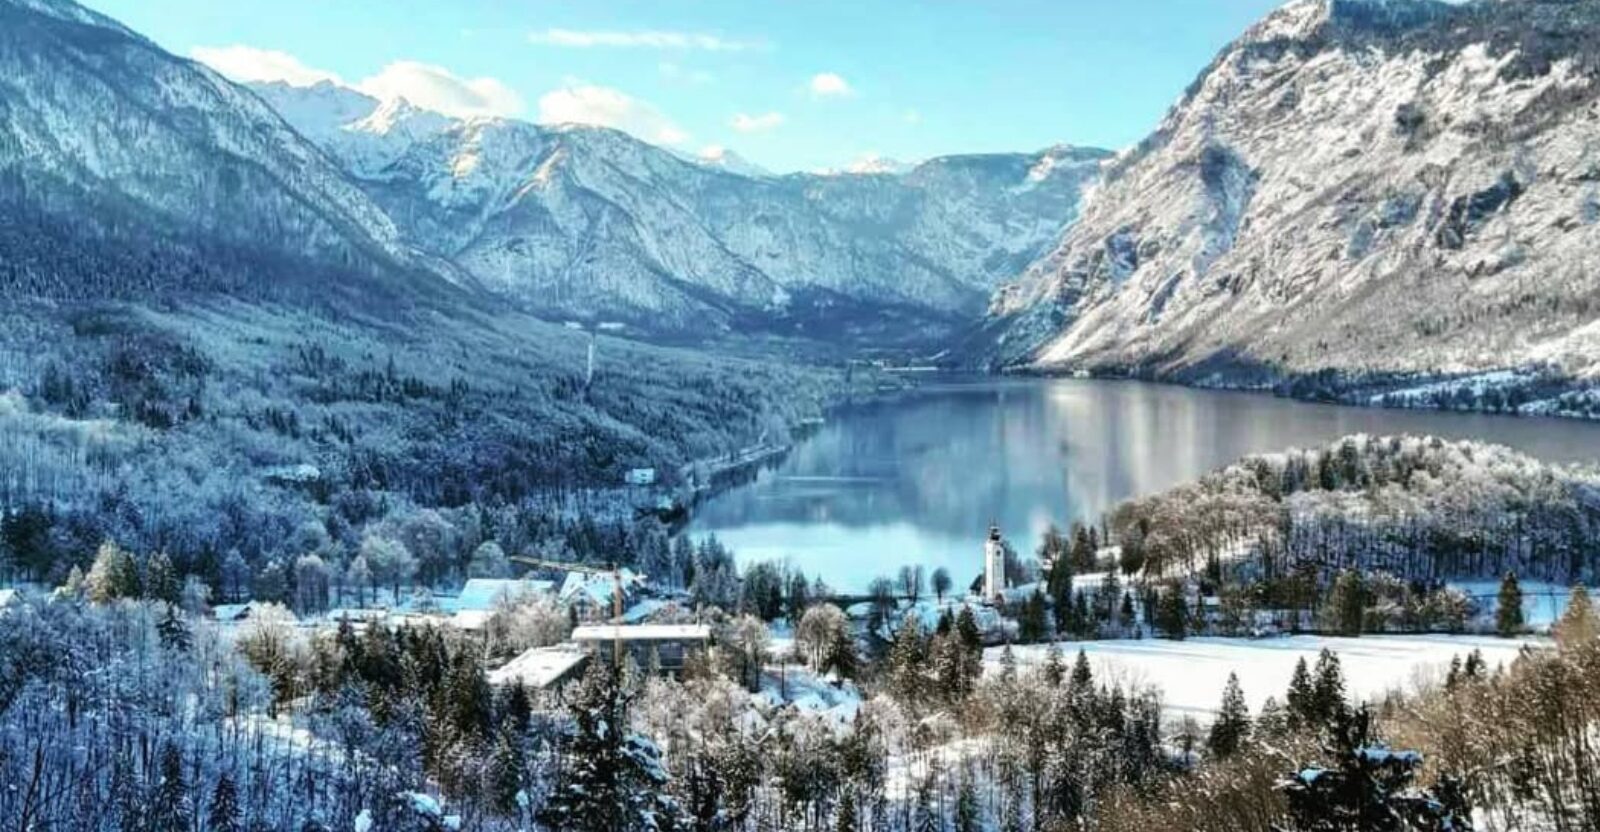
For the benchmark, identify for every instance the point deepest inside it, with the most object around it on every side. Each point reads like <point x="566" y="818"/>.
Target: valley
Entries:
<point x="387" y="452"/>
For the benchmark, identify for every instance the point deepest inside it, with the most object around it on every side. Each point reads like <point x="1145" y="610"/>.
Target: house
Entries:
<point x="640" y="476"/>
<point x="590" y="593"/>
<point x="7" y="598"/>
<point x="542" y="668"/>
<point x="482" y="594"/>
<point x="669" y="645"/>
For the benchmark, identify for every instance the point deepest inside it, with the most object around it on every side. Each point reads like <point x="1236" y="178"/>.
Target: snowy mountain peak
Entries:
<point x="1353" y="185"/>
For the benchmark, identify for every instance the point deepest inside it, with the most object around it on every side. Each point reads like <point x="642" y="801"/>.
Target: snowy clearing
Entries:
<point x="1192" y="673"/>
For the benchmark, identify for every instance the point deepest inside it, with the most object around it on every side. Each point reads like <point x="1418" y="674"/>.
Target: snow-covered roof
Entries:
<point x="471" y="619"/>
<point x="481" y="593"/>
<point x="6" y="597"/>
<point x="356" y="615"/>
<point x="642" y="632"/>
<point x="596" y="588"/>
<point x="539" y="667"/>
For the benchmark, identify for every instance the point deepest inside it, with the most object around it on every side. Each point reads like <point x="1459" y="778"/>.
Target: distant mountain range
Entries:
<point x="592" y="224"/>
<point x="1356" y="197"/>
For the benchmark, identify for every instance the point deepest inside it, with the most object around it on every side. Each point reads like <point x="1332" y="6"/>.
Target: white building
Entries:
<point x="994" y="565"/>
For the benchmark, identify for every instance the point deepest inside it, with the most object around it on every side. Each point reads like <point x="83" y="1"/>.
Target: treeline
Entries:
<point x="1421" y="508"/>
<point x="229" y="428"/>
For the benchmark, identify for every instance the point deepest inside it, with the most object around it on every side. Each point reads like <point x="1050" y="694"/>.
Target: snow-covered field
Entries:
<point x="1192" y="673"/>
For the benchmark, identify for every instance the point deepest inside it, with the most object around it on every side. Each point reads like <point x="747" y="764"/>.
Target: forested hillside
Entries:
<point x="1423" y="509"/>
<point x="213" y="346"/>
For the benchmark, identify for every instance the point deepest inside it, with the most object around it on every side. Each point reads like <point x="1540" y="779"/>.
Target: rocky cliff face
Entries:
<point x="1403" y="188"/>
<point x="591" y="224"/>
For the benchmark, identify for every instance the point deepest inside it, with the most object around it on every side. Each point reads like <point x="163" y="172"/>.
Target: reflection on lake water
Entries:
<point x="919" y="479"/>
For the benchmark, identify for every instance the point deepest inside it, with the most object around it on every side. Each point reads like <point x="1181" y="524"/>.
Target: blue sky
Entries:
<point x="789" y="85"/>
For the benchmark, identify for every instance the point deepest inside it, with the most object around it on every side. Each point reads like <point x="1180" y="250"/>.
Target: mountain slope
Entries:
<point x="125" y="170"/>
<point x="592" y="224"/>
<point x="211" y="337"/>
<point x="1380" y="189"/>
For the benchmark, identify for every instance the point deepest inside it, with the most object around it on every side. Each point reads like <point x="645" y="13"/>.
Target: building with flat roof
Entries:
<point x="668" y="644"/>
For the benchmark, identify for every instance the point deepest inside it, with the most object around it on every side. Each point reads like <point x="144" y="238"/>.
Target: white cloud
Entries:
<point x="640" y="39"/>
<point x="607" y="107"/>
<point x="829" y="84"/>
<point x="438" y="89"/>
<point x="745" y="123"/>
<point x="247" y="64"/>
<point x="911" y="116"/>
<point x="713" y="152"/>
<point x="427" y="86"/>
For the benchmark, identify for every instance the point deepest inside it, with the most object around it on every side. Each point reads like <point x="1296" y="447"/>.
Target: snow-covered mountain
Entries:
<point x="1397" y="188"/>
<point x="126" y="170"/>
<point x="589" y="223"/>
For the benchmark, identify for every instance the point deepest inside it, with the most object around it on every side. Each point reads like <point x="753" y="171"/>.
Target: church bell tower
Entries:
<point x="994" y="564"/>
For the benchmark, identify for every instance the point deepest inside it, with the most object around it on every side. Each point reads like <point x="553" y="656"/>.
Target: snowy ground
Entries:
<point x="1192" y="673"/>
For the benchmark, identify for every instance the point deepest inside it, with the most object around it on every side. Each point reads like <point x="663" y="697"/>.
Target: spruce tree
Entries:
<point x="171" y="810"/>
<point x="222" y="815"/>
<point x="1053" y="671"/>
<point x="1172" y="613"/>
<point x="1301" y="697"/>
<point x="1082" y="676"/>
<point x="1328" y="691"/>
<point x="1232" y="725"/>
<point x="174" y="630"/>
<point x="1508" y="615"/>
<point x="610" y="780"/>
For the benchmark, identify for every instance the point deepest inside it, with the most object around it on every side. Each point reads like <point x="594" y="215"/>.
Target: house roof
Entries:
<point x="643" y="632"/>
<point x="482" y="593"/>
<point x="539" y="667"/>
<point x="596" y="588"/>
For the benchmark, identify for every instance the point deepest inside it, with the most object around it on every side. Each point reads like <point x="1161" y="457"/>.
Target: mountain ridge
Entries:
<point x="592" y="224"/>
<point x="1377" y="196"/>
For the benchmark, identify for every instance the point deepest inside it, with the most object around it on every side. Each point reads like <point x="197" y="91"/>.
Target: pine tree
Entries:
<point x="1082" y="676"/>
<point x="1347" y="603"/>
<point x="1368" y="787"/>
<point x="1053" y="670"/>
<point x="161" y="580"/>
<point x="1172" y="614"/>
<point x="1327" y="698"/>
<point x="174" y="630"/>
<point x="1008" y="665"/>
<point x="610" y="780"/>
<point x="907" y="657"/>
<point x="1508" y="615"/>
<point x="1301" y="697"/>
<point x="507" y="771"/>
<point x="1232" y="725"/>
<point x="223" y="813"/>
<point x="170" y="810"/>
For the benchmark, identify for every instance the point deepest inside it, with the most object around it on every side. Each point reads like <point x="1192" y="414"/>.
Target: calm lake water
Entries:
<point x="918" y="480"/>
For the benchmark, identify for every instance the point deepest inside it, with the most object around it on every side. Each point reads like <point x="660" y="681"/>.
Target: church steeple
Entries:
<point x="994" y="564"/>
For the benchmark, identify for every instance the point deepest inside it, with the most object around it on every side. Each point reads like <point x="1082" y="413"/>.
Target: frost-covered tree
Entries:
<point x="610" y="779"/>
<point x="1508" y="608"/>
<point x="1231" y="728"/>
<point x="1577" y="625"/>
<point x="488" y="561"/>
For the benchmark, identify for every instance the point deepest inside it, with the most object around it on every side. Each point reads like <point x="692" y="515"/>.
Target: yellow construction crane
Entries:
<point x="616" y="593"/>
